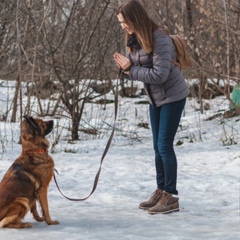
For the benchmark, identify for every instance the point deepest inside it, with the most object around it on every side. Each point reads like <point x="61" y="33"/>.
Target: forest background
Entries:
<point x="61" y="51"/>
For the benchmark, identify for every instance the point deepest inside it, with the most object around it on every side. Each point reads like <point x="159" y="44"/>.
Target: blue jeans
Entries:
<point x="164" y="123"/>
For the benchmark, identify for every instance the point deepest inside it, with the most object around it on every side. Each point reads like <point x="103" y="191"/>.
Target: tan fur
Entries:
<point x="27" y="180"/>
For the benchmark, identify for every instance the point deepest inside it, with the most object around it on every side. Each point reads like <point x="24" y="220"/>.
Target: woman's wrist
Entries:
<point x="127" y="69"/>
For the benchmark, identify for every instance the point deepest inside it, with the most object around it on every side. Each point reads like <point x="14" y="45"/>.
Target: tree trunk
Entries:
<point x="15" y="100"/>
<point x="75" y="127"/>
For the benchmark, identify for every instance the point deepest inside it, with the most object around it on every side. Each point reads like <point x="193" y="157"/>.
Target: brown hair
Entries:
<point x="137" y="19"/>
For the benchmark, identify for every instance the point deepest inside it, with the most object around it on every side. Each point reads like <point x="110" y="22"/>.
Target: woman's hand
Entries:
<point x="122" y="61"/>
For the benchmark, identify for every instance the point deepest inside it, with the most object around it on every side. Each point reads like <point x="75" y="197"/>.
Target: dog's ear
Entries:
<point x="32" y="123"/>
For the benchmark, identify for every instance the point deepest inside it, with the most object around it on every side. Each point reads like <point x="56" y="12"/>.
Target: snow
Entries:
<point x="208" y="178"/>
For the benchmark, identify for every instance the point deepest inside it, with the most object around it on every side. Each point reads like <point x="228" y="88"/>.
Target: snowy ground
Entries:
<point x="208" y="181"/>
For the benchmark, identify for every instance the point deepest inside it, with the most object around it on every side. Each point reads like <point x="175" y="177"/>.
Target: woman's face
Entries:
<point x="124" y="24"/>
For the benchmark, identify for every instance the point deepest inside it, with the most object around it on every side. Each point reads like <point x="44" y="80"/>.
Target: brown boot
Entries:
<point x="152" y="201"/>
<point x="166" y="204"/>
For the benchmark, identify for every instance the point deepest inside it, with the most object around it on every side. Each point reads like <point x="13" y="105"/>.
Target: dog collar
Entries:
<point x="42" y="150"/>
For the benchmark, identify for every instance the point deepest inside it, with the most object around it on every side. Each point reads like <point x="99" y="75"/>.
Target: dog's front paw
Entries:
<point x="52" y="222"/>
<point x="39" y="219"/>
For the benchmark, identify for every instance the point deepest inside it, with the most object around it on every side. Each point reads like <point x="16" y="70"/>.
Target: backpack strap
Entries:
<point x="183" y="58"/>
<point x="175" y="62"/>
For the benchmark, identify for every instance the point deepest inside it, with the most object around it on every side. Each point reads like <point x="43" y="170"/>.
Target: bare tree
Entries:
<point x="77" y="52"/>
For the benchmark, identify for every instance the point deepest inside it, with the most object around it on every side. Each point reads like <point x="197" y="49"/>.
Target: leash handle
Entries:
<point x="104" y="153"/>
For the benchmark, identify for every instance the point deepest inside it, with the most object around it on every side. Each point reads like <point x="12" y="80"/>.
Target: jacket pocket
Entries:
<point x="157" y="92"/>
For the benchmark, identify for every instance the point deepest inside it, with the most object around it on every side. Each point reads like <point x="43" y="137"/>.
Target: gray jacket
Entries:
<point x="163" y="81"/>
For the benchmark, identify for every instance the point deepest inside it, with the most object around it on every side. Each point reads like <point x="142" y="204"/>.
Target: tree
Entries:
<point x="76" y="52"/>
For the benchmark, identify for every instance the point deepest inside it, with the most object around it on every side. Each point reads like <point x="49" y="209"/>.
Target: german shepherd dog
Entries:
<point x="27" y="180"/>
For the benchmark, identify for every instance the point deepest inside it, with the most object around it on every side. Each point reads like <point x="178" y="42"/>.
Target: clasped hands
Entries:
<point x="123" y="62"/>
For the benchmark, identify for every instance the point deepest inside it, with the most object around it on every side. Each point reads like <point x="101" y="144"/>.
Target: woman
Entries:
<point x="150" y="60"/>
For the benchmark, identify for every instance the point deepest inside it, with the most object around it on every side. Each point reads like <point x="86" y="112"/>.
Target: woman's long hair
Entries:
<point x="137" y="19"/>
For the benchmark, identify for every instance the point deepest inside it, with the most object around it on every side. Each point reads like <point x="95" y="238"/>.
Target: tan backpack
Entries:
<point x="183" y="58"/>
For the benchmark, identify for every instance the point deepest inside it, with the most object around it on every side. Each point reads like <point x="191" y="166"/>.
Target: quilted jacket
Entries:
<point x="163" y="80"/>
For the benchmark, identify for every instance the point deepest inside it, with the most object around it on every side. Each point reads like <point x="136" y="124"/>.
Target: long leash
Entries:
<point x="104" y="153"/>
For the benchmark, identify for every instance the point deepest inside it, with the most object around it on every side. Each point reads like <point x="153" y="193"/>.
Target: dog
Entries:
<point x="26" y="181"/>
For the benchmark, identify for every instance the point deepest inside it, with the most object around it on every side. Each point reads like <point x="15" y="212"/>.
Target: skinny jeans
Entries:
<point x="164" y="123"/>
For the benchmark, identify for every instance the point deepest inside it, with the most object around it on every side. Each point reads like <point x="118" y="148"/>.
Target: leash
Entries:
<point x="120" y="75"/>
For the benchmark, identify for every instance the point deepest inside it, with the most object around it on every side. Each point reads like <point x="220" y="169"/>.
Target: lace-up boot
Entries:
<point x="156" y="196"/>
<point x="166" y="204"/>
